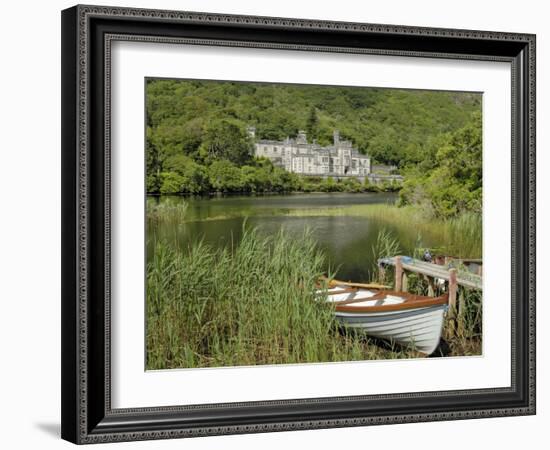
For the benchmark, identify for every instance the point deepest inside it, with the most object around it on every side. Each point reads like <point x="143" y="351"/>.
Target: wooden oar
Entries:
<point x="356" y="285"/>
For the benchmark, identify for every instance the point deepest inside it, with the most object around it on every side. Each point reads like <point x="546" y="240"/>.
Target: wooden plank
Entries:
<point x="398" y="273"/>
<point x="469" y="280"/>
<point x="461" y="310"/>
<point x="453" y="287"/>
<point x="452" y="290"/>
<point x="464" y="279"/>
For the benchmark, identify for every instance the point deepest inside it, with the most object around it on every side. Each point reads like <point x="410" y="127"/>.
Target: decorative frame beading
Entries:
<point x="85" y="206"/>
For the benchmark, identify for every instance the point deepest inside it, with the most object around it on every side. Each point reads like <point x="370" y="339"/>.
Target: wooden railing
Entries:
<point x="433" y="273"/>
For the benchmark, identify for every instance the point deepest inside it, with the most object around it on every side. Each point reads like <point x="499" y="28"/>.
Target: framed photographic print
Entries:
<point x="281" y="224"/>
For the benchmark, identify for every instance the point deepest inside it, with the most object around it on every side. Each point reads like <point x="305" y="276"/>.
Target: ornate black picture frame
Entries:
<point x="87" y="34"/>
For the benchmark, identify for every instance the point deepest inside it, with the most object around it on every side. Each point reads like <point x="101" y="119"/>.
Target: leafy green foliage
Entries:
<point x="451" y="182"/>
<point x="312" y="126"/>
<point x="394" y="126"/>
<point x="225" y="177"/>
<point x="171" y="182"/>
<point x="225" y="139"/>
<point x="197" y="140"/>
<point x="193" y="177"/>
<point x="253" y="304"/>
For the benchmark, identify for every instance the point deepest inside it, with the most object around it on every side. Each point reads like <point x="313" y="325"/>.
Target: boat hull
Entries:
<point x="418" y="328"/>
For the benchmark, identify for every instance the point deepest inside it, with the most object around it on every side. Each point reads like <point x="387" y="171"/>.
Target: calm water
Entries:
<point x="347" y="241"/>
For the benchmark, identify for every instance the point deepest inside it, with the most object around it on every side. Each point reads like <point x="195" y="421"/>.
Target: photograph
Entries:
<point x="302" y="223"/>
<point x="279" y="220"/>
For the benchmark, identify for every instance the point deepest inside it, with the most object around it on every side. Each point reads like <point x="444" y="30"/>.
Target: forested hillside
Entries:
<point x="197" y="140"/>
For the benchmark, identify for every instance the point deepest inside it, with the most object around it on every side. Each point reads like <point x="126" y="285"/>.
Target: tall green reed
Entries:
<point x="251" y="304"/>
<point x="171" y="212"/>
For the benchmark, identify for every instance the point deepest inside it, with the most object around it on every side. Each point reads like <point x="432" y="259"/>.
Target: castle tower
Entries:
<point x="251" y="132"/>
<point x="336" y="136"/>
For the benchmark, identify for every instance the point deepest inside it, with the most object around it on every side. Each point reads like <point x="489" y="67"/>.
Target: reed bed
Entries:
<point x="254" y="302"/>
<point x="249" y="304"/>
<point x="460" y="236"/>
<point x="170" y="212"/>
<point x="462" y="334"/>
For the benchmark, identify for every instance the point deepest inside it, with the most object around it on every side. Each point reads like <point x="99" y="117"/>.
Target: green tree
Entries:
<point x="454" y="182"/>
<point x="225" y="176"/>
<point x="425" y="133"/>
<point x="225" y="139"/>
<point x="171" y="183"/>
<point x="312" y="125"/>
<point x="255" y="179"/>
<point x="352" y="184"/>
<point x="153" y="165"/>
<point x="193" y="177"/>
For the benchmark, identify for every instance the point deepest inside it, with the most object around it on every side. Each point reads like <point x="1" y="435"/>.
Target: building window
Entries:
<point x="275" y="149"/>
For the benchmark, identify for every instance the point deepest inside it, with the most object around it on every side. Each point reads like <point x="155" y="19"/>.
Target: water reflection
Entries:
<point x="347" y="241"/>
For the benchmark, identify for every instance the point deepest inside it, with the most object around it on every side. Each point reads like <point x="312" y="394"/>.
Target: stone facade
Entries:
<point x="299" y="156"/>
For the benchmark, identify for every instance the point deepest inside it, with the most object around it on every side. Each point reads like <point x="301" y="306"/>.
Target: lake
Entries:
<point x="347" y="241"/>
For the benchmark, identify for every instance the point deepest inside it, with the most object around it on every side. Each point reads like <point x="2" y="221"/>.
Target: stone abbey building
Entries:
<point x="338" y="160"/>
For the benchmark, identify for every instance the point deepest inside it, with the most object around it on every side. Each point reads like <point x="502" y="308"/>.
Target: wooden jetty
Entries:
<point x="432" y="272"/>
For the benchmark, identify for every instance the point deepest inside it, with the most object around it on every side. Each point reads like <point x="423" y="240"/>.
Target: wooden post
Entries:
<point x="405" y="282"/>
<point x="461" y="306"/>
<point x="453" y="287"/>
<point x="398" y="273"/>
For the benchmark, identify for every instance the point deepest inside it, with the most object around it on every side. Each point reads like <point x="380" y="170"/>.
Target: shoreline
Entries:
<point x="264" y="194"/>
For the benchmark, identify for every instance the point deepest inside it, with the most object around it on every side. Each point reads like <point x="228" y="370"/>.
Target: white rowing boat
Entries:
<point x="409" y="320"/>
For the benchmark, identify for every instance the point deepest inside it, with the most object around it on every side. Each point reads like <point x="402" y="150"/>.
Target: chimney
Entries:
<point x="336" y="135"/>
<point x="302" y="138"/>
<point x="251" y="132"/>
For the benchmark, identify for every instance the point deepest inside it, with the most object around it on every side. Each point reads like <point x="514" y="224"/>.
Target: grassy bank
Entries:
<point x="253" y="304"/>
<point x="174" y="213"/>
<point x="460" y="236"/>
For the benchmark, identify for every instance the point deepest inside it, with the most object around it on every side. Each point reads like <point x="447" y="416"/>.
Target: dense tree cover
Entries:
<point x="449" y="180"/>
<point x="197" y="140"/>
<point x="183" y="175"/>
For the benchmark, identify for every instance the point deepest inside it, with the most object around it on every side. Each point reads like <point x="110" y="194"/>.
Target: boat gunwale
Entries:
<point x="412" y="301"/>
